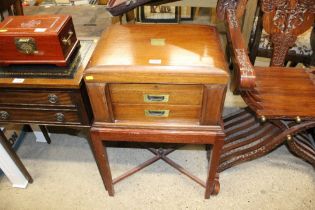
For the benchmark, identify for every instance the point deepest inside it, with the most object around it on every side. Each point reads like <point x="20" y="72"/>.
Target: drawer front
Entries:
<point x="157" y="113"/>
<point x="156" y="94"/>
<point x="41" y="116"/>
<point x="36" y="98"/>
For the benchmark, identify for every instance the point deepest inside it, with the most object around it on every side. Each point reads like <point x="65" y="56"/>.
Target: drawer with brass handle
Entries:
<point x="158" y="113"/>
<point x="156" y="93"/>
<point x="36" y="98"/>
<point x="42" y="116"/>
<point x="158" y="98"/>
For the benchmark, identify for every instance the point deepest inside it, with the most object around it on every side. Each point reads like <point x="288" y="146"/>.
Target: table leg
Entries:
<point x="4" y="143"/>
<point x="45" y="133"/>
<point x="41" y="133"/>
<point x="212" y="184"/>
<point x="100" y="154"/>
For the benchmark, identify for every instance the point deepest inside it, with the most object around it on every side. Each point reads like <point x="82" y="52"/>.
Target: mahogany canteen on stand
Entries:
<point x="37" y="40"/>
<point x="158" y="83"/>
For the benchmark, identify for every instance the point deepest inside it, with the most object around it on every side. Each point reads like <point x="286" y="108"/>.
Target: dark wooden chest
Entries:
<point x="37" y="40"/>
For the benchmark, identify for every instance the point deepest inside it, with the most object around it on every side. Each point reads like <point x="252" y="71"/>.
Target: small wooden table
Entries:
<point x="158" y="84"/>
<point x="45" y="95"/>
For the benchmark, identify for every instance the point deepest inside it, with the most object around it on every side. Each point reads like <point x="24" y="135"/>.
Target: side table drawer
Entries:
<point x="157" y="113"/>
<point x="42" y="116"/>
<point x="156" y="93"/>
<point x="115" y="103"/>
<point x="32" y="98"/>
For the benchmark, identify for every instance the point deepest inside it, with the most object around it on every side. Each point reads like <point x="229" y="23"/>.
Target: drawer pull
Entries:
<point x="52" y="98"/>
<point x="156" y="113"/>
<point x="155" y="98"/>
<point x="4" y="115"/>
<point x="60" y="117"/>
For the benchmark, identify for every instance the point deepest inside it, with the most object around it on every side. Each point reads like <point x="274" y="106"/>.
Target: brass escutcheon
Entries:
<point x="26" y="45"/>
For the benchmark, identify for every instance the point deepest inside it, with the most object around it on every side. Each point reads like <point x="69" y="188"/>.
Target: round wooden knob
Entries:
<point x="60" y="117"/>
<point x="4" y="115"/>
<point x="52" y="98"/>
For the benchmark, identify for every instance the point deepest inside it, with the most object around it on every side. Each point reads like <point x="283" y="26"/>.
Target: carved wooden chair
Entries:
<point x="10" y="7"/>
<point x="261" y="43"/>
<point x="280" y="99"/>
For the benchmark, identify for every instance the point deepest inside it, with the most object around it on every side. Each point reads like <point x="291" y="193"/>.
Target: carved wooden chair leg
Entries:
<point x="247" y="139"/>
<point x="302" y="143"/>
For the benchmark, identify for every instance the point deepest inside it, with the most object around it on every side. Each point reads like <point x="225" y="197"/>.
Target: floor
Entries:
<point x="66" y="176"/>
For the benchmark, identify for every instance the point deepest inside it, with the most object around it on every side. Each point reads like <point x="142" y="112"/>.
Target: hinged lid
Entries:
<point x="33" y="25"/>
<point x="158" y="53"/>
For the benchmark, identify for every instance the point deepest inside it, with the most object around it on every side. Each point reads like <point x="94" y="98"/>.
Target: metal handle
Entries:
<point x="52" y="98"/>
<point x="26" y="45"/>
<point x="156" y="98"/>
<point x="4" y="115"/>
<point x="67" y="41"/>
<point x="156" y="113"/>
<point x="60" y="117"/>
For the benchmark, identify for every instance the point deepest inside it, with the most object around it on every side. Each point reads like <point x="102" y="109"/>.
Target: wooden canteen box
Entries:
<point x="37" y="40"/>
<point x="157" y="75"/>
<point x="158" y="84"/>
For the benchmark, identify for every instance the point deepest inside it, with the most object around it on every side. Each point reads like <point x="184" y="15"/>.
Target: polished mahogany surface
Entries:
<point x="31" y="24"/>
<point x="161" y="53"/>
<point x="45" y="100"/>
<point x="37" y="40"/>
<point x="285" y="99"/>
<point x="158" y="83"/>
<point x="179" y="67"/>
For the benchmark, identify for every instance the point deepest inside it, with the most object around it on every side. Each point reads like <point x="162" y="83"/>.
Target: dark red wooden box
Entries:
<point x="37" y="40"/>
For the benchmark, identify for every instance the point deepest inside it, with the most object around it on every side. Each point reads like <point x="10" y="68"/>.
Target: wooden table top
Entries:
<point x="149" y="49"/>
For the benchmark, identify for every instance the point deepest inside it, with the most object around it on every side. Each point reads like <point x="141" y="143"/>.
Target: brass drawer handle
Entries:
<point x="156" y="113"/>
<point x="156" y="98"/>
<point x="4" y="115"/>
<point x="60" y="117"/>
<point x="52" y="98"/>
<point x="67" y="41"/>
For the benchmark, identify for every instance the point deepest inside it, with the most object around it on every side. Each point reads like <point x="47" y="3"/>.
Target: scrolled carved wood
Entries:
<point x="261" y="138"/>
<point x="244" y="74"/>
<point x="284" y="20"/>
<point x="237" y="5"/>
<point x="281" y="44"/>
<point x="272" y="93"/>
